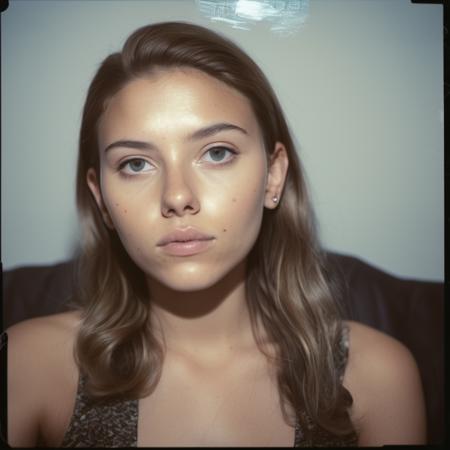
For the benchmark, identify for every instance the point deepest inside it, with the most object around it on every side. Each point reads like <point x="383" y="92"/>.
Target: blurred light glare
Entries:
<point x="251" y="9"/>
<point x="283" y="17"/>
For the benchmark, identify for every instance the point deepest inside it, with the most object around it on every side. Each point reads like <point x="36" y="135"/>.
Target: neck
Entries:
<point x="211" y="322"/>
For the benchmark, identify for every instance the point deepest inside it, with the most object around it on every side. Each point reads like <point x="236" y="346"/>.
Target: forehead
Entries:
<point x="173" y="99"/>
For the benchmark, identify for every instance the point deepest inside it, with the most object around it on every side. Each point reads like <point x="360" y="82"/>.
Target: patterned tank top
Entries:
<point x="114" y="424"/>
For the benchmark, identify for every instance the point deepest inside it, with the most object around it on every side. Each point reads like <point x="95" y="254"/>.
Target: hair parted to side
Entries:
<point x="287" y="290"/>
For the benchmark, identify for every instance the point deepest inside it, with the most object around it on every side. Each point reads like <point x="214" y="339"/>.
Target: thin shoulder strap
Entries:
<point x="110" y="424"/>
<point x="343" y="350"/>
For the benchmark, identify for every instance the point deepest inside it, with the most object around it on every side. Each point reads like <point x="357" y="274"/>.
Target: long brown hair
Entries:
<point x="287" y="290"/>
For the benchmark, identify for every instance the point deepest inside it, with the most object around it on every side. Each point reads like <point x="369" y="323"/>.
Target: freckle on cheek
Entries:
<point x="125" y="211"/>
<point x="234" y="200"/>
<point x="224" y="230"/>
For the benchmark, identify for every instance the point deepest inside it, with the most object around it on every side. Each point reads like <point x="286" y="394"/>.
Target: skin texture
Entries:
<point x="214" y="379"/>
<point x="208" y="405"/>
<point x="200" y="299"/>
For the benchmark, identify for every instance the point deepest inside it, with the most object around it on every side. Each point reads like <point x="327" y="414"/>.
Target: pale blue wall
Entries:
<point x="360" y="82"/>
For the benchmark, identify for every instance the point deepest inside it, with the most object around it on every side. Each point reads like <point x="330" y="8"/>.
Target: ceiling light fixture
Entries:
<point x="284" y="17"/>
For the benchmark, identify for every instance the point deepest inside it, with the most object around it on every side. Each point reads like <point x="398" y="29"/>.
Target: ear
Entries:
<point x="279" y="164"/>
<point x="94" y="187"/>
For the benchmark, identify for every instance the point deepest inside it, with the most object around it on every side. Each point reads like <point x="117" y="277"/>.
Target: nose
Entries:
<point x="178" y="196"/>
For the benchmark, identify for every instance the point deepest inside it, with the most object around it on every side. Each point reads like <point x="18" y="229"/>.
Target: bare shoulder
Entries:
<point x="372" y="346"/>
<point x="61" y="322"/>
<point x="40" y="367"/>
<point x="384" y="380"/>
<point x="34" y="339"/>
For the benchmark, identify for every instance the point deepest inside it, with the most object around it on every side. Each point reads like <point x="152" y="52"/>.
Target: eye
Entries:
<point x="218" y="155"/>
<point x="134" y="166"/>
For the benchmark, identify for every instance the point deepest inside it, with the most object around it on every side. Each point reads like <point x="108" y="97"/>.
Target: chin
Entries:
<point x="188" y="277"/>
<point x="194" y="276"/>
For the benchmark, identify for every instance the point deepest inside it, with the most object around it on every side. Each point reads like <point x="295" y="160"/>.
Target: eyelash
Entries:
<point x="234" y="153"/>
<point x="222" y="147"/>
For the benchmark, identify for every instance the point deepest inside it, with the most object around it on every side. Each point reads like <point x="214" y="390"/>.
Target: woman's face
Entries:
<point x="181" y="149"/>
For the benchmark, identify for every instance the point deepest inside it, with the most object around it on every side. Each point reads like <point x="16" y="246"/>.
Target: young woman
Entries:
<point x="203" y="316"/>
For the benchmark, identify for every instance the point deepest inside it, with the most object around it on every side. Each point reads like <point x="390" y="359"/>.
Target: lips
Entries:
<point x="188" y="248"/>
<point x="184" y="235"/>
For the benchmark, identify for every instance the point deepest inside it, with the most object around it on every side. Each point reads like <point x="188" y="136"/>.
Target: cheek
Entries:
<point x="248" y="212"/>
<point x="127" y="214"/>
<point x="118" y="205"/>
<point x="242" y="211"/>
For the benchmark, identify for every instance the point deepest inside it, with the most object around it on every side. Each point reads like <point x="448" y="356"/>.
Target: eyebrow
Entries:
<point x="199" y="134"/>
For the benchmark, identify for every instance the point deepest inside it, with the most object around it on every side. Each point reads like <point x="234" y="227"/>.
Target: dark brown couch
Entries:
<point x="410" y="310"/>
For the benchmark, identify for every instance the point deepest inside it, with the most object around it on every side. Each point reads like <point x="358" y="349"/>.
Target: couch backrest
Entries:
<point x="409" y="310"/>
